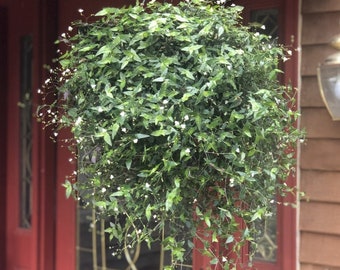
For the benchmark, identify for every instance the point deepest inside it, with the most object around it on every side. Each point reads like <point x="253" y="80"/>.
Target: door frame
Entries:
<point x="3" y="135"/>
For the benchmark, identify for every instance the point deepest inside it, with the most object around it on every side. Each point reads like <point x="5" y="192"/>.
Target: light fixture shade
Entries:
<point x="329" y="84"/>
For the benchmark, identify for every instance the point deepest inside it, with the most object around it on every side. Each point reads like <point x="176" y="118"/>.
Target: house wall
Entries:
<point x="320" y="159"/>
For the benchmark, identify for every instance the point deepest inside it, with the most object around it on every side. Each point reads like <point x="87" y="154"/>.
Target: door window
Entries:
<point x="25" y="131"/>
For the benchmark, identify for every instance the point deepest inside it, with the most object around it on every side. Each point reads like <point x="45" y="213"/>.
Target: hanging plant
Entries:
<point x="179" y="122"/>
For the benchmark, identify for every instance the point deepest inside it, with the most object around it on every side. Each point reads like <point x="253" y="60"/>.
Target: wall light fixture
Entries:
<point x="329" y="81"/>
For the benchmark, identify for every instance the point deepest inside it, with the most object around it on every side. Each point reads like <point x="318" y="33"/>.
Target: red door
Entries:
<point x="29" y="158"/>
<point x="278" y="243"/>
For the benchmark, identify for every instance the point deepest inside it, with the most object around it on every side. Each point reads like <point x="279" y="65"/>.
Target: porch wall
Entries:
<point x="320" y="154"/>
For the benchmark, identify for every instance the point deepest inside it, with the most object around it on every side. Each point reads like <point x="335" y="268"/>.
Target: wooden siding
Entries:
<point x="319" y="158"/>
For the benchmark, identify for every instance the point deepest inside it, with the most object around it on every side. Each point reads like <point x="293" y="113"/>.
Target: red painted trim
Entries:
<point x="289" y="215"/>
<point x="47" y="152"/>
<point x="3" y="137"/>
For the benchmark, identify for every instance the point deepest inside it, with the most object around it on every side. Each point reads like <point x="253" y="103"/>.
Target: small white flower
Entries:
<point x="80" y="10"/>
<point x="187" y="150"/>
<point x="103" y="190"/>
<point x="289" y="52"/>
<point x="70" y="159"/>
<point x="122" y="113"/>
<point x="124" y="129"/>
<point x="70" y="28"/>
<point x="135" y="140"/>
<point x="111" y="176"/>
<point x="63" y="35"/>
<point x="100" y="109"/>
<point x="176" y="123"/>
<point x="165" y="101"/>
<point x="147" y="185"/>
<point x="55" y="134"/>
<point x="183" y="126"/>
<point x="237" y="150"/>
<point x="186" y="117"/>
<point x="263" y="27"/>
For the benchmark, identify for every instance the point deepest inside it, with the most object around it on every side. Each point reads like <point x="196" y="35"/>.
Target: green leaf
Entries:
<point x="206" y="29"/>
<point x="128" y="164"/>
<point x="159" y="79"/>
<point x="107" y="138"/>
<point x="184" y="153"/>
<point x="214" y="261"/>
<point x="105" y="50"/>
<point x="114" y="130"/>
<point x="68" y="188"/>
<point x="160" y="132"/>
<point x="230" y="239"/>
<point x="148" y="212"/>
<point x="192" y="48"/>
<point x="180" y="18"/>
<point x="141" y="136"/>
<point x="117" y="194"/>
<point x="87" y="48"/>
<point x="207" y="221"/>
<point x="105" y="11"/>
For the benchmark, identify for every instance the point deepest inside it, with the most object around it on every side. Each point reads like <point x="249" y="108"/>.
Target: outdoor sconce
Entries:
<point x="329" y="81"/>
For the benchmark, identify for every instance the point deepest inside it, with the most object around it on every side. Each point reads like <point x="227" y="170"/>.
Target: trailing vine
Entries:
<point x="178" y="120"/>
